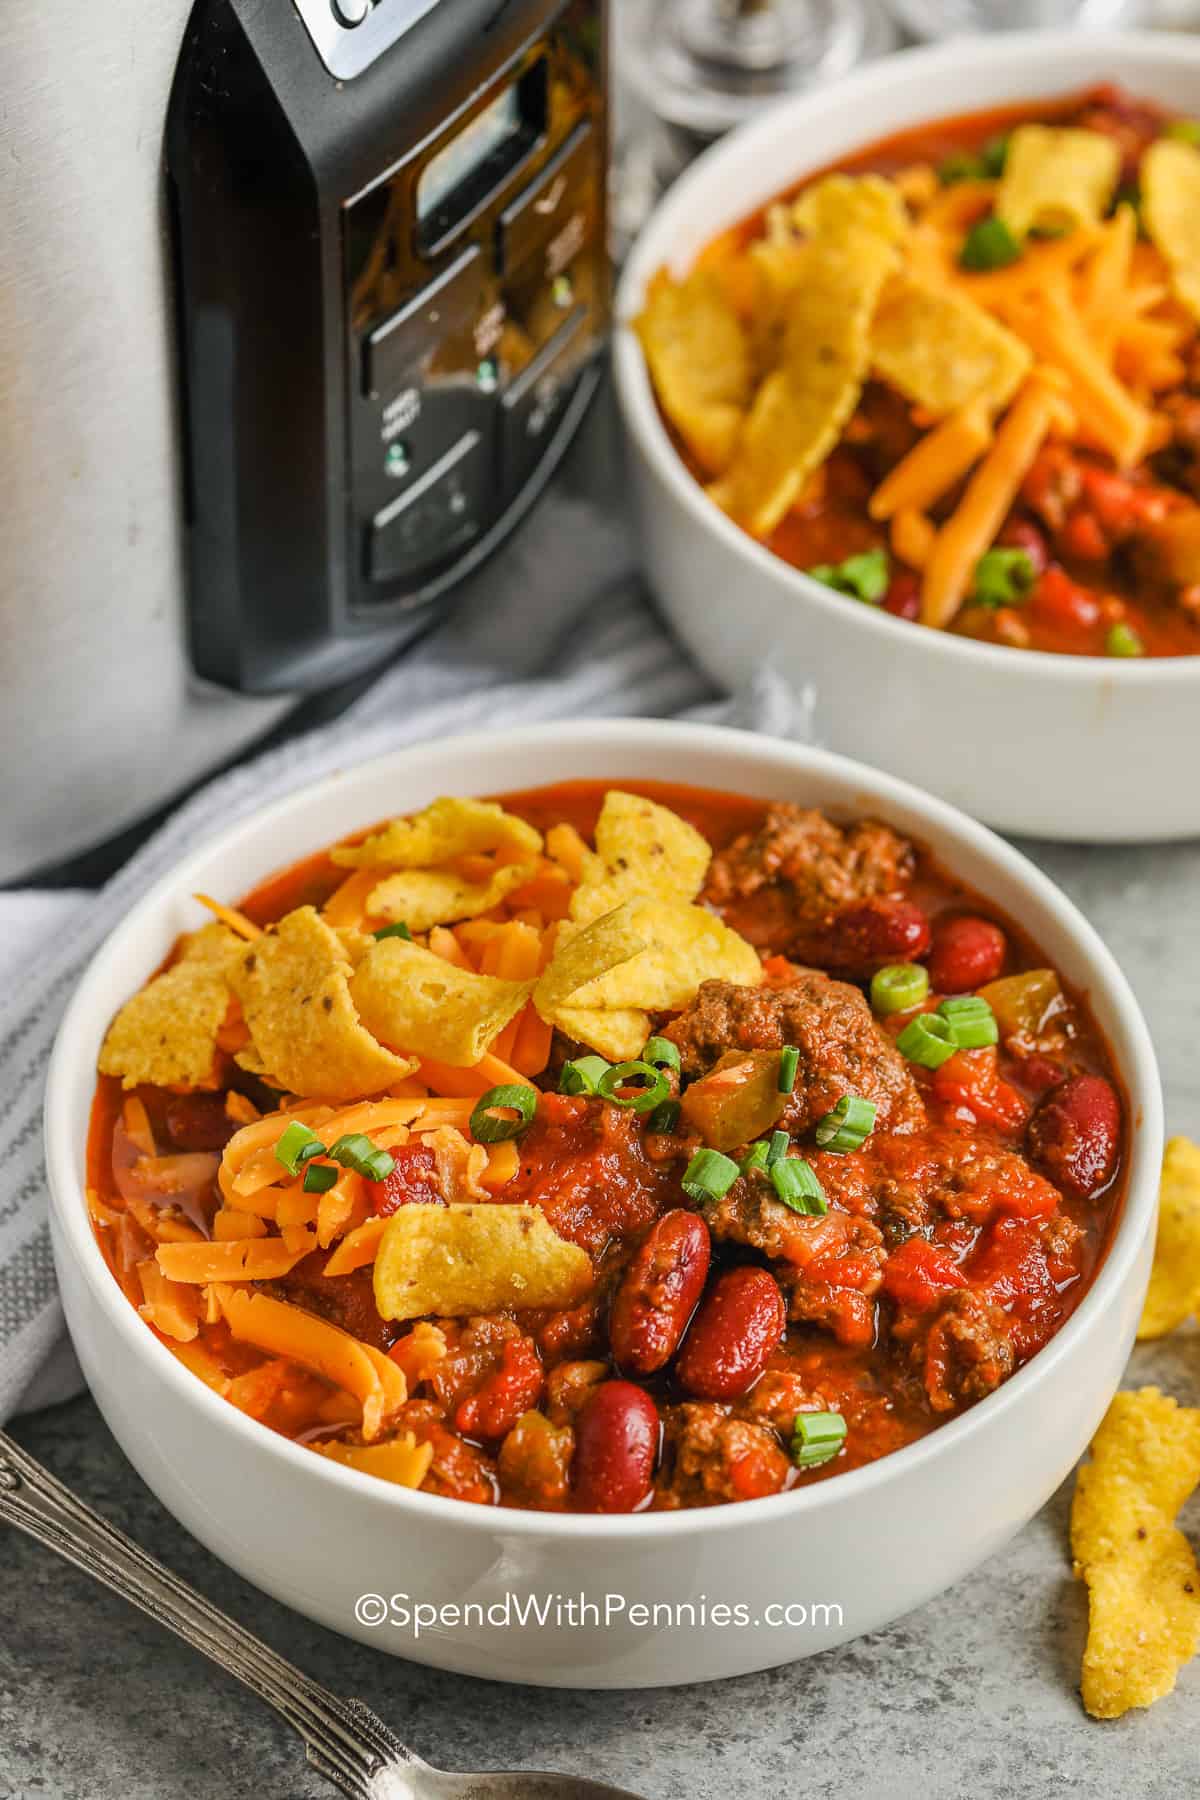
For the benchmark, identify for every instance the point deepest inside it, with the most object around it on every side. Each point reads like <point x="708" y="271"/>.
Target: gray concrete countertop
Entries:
<point x="974" y="1693"/>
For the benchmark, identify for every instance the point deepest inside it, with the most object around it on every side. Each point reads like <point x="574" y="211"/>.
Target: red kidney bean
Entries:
<point x="867" y="937"/>
<point x="967" y="952"/>
<point x="659" y="1291"/>
<point x="903" y="598"/>
<point x="616" y="1447"/>
<point x="740" y="1321"/>
<point x="1023" y="534"/>
<point x="1074" y="1135"/>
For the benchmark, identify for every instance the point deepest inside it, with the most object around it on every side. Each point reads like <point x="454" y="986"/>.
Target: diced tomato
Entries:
<point x="971" y="1080"/>
<point x="1081" y="536"/>
<point x="514" y="1388"/>
<point x="1120" y="505"/>
<point x="1059" y="601"/>
<point x="919" y="1273"/>
<point x="843" y="1271"/>
<point x="411" y="1183"/>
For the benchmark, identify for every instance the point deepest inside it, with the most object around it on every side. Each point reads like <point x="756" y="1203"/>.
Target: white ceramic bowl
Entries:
<point x="1078" y="748"/>
<point x="872" y="1543"/>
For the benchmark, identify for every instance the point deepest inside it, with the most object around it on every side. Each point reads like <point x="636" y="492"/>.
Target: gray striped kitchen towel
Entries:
<point x="559" y="627"/>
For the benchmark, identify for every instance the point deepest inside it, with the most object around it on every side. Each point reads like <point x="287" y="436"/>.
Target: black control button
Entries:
<point x="554" y="208"/>
<point x="532" y="405"/>
<point x="444" y="509"/>
<point x="396" y="347"/>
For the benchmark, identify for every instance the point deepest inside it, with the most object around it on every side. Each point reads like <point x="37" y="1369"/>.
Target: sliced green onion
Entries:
<point x="994" y="156"/>
<point x="1003" y="577"/>
<point x="1187" y="131"/>
<point x="989" y="245"/>
<point x="971" y="1020"/>
<point x="488" y="1127"/>
<point x="848" y="1125"/>
<point x="583" y="1075"/>
<point x="399" y="929"/>
<point x="709" y="1175"/>
<point x="296" y="1145"/>
<point x="927" y="1040"/>
<point x="966" y="165"/>
<point x="641" y="1099"/>
<point x="796" y="1184"/>
<point x="357" y="1152"/>
<point x="1123" y="640"/>
<point x="960" y="165"/>
<point x="818" y="1436"/>
<point x="662" y="1053"/>
<point x="756" y="1157"/>
<point x="665" y="1116"/>
<point x="899" y="987"/>
<point x="789" y="1062"/>
<point x="864" y="577"/>
<point x="779" y="1145"/>
<point x="319" y="1178"/>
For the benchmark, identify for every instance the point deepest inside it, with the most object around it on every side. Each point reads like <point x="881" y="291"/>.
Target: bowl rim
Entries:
<point x="686" y="197"/>
<point x="879" y="790"/>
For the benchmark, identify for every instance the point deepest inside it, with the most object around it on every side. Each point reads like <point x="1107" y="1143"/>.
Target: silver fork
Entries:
<point x="343" y="1739"/>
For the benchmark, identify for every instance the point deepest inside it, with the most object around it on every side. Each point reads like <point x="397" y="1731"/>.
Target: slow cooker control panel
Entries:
<point x="393" y="286"/>
<point x="476" y="294"/>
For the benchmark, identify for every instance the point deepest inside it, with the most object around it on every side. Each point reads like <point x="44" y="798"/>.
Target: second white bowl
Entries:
<point x="1082" y="749"/>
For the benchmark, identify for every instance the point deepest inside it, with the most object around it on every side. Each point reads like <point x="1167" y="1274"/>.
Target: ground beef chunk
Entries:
<point x="950" y="1175"/>
<point x="568" y="1386"/>
<point x="829" y="867"/>
<point x="1061" y="1235"/>
<point x="777" y="1397"/>
<point x="459" y="1470"/>
<point x="842" y="1050"/>
<point x="966" y="1352"/>
<point x="710" y="1455"/>
<point x="344" y="1300"/>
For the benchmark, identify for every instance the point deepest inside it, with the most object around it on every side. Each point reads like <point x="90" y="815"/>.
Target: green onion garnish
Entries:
<point x="488" y="1126"/>
<point x="960" y="165"/>
<point x="757" y="1156"/>
<point x="665" y="1116"/>
<point x="899" y="987"/>
<point x="319" y="1178"/>
<point x="848" y="1125"/>
<point x="357" y="1152"/>
<point x="296" y="1144"/>
<point x="994" y="155"/>
<point x="1003" y="577"/>
<point x="1187" y="131"/>
<point x="778" y="1146"/>
<point x="818" y="1436"/>
<point x="789" y="1062"/>
<point x="963" y="165"/>
<point x="583" y="1075"/>
<point x="641" y="1099"/>
<point x="398" y="929"/>
<point x="796" y="1184"/>
<point x="971" y="1020"/>
<point x="864" y="577"/>
<point x="1123" y="640"/>
<point x="927" y="1040"/>
<point x="709" y="1175"/>
<point x="989" y="245"/>
<point x="662" y="1053"/>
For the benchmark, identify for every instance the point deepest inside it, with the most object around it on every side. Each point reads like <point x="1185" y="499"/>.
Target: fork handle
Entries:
<point x="343" y="1738"/>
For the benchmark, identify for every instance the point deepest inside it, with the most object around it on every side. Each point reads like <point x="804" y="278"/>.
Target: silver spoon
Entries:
<point x="343" y="1738"/>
